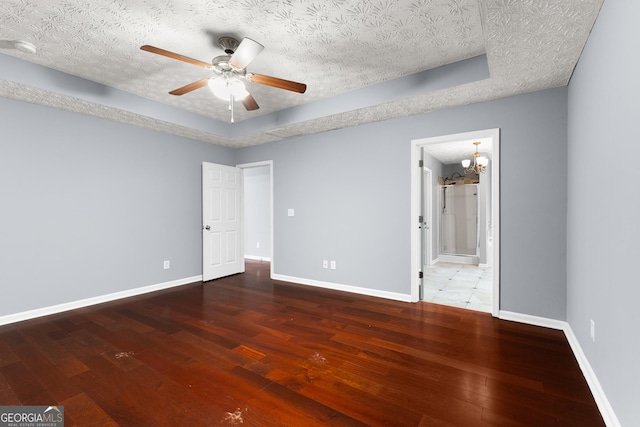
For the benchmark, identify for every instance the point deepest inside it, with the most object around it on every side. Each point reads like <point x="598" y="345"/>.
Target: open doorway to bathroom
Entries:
<point x="456" y="245"/>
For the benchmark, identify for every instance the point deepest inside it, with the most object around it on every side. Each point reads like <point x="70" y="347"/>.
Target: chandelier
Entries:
<point x="479" y="162"/>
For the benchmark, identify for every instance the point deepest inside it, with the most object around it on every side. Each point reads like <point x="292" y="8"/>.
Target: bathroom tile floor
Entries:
<point x="459" y="285"/>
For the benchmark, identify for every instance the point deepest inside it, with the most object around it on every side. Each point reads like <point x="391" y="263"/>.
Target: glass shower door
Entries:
<point x="459" y="219"/>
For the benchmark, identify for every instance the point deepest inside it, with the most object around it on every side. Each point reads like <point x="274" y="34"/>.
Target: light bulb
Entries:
<point x="219" y="88"/>
<point x="466" y="163"/>
<point x="224" y="88"/>
<point x="236" y="87"/>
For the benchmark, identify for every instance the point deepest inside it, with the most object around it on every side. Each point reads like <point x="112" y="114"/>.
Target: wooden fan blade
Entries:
<point x="276" y="82"/>
<point x="177" y="56"/>
<point x="245" y="53"/>
<point x="249" y="103"/>
<point x="190" y="87"/>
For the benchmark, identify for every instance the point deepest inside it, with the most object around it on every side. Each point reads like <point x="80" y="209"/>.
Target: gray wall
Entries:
<point x="449" y="170"/>
<point x="91" y="207"/>
<point x="97" y="206"/>
<point x="603" y="217"/>
<point x="257" y="212"/>
<point x="351" y="192"/>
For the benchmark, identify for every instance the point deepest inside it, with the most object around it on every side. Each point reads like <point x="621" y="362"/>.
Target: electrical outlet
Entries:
<point x="593" y="331"/>
<point x="325" y="263"/>
<point x="333" y="265"/>
<point x="258" y="245"/>
<point x="167" y="265"/>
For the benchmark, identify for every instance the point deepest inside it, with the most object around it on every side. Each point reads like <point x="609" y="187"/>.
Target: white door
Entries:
<point x="222" y="241"/>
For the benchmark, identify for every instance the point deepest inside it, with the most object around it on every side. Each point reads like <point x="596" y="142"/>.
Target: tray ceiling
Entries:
<point x="335" y="47"/>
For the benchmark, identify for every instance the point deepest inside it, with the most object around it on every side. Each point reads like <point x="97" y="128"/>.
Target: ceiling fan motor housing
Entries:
<point x="221" y="66"/>
<point x="228" y="44"/>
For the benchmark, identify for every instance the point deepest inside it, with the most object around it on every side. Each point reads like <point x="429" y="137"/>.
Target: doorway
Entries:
<point x="426" y="256"/>
<point x="257" y="190"/>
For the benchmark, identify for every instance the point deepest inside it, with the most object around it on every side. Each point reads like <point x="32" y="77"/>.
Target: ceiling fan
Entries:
<point x="229" y="70"/>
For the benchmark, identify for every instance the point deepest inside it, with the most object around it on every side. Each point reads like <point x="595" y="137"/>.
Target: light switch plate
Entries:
<point x="290" y="212"/>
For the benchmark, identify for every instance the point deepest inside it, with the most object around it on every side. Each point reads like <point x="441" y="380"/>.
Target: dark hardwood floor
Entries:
<point x="246" y="350"/>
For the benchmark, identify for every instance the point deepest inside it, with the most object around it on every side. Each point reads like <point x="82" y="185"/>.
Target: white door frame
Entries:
<point x="256" y="165"/>
<point x="416" y="197"/>
<point x="427" y="206"/>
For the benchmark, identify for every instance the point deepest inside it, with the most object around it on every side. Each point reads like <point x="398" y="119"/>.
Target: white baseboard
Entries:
<point x="608" y="415"/>
<point x="346" y="288"/>
<point x="54" y="309"/>
<point x="532" y="320"/>
<point x="257" y="258"/>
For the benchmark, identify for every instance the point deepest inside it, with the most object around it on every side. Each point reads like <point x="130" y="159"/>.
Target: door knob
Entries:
<point x="206" y="227"/>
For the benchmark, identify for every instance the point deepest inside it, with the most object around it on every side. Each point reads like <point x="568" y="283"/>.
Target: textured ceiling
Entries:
<point x="333" y="46"/>
<point x="450" y="153"/>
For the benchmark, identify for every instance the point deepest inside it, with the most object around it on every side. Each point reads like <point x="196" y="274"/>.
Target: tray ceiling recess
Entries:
<point x="361" y="61"/>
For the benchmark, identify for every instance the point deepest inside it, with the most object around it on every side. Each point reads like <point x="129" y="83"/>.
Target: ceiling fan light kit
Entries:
<point x="223" y="88"/>
<point x="229" y="69"/>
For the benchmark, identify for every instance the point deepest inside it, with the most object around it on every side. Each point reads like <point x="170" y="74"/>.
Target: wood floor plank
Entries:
<point x="116" y="321"/>
<point x="24" y="385"/>
<point x="7" y="396"/>
<point x="41" y="370"/>
<point x="307" y="411"/>
<point x="83" y="344"/>
<point x="248" y="350"/>
<point x="572" y="412"/>
<point x="360" y="405"/>
<point x="224" y="358"/>
<point x="57" y="355"/>
<point x="7" y="355"/>
<point x="125" y="397"/>
<point x="86" y="413"/>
